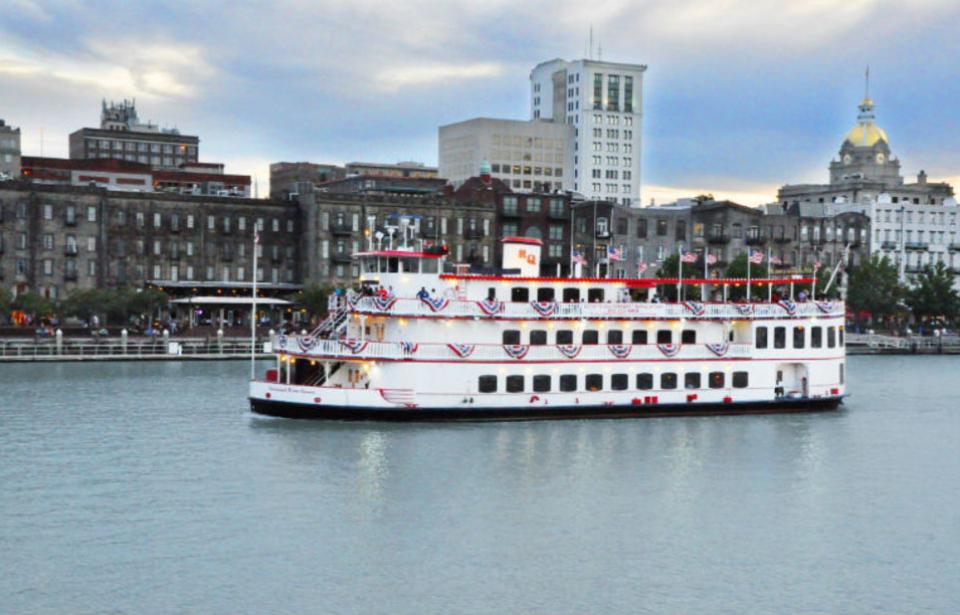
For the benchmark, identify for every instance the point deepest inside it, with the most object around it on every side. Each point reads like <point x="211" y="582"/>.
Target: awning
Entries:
<point x="229" y="301"/>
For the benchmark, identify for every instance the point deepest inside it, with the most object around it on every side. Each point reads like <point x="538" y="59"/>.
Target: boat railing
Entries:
<point x="362" y="349"/>
<point x="457" y="308"/>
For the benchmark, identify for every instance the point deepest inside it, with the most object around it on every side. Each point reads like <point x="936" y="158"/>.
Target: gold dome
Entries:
<point x="866" y="135"/>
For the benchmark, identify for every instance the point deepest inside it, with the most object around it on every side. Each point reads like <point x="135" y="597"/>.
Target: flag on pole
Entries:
<point x="614" y="254"/>
<point x="817" y="265"/>
<point x="756" y="257"/>
<point x="775" y="260"/>
<point x="641" y="268"/>
<point x="711" y="259"/>
<point x="687" y="256"/>
<point x="578" y="258"/>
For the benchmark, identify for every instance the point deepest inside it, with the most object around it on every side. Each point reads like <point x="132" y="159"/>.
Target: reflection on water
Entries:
<point x="150" y="488"/>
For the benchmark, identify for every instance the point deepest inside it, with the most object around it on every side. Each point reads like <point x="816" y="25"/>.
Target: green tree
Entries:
<point x="874" y="287"/>
<point x="313" y="298"/>
<point x="670" y="268"/>
<point x="6" y="301"/>
<point x="933" y="296"/>
<point x="146" y="301"/>
<point x="33" y="304"/>
<point x="737" y="269"/>
<point x="85" y="303"/>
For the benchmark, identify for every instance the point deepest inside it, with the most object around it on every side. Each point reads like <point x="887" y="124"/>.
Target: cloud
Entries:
<point x="398" y="77"/>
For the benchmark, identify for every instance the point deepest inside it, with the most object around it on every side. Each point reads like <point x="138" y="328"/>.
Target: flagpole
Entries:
<point x="706" y="275"/>
<point x="253" y="308"/>
<point x="749" y="260"/>
<point x="769" y="267"/>
<point x="679" y="273"/>
<point x="813" y="289"/>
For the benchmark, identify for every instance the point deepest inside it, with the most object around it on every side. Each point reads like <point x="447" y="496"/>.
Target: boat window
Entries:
<point x="668" y="380"/>
<point x="640" y="336"/>
<point x="594" y="382"/>
<point x="740" y="380"/>
<point x="816" y="337"/>
<point x="487" y="384"/>
<point x="538" y="337"/>
<point x="619" y="382"/>
<point x="393" y="264"/>
<point x="691" y="380"/>
<point x="840" y="336"/>
<point x="520" y="294"/>
<point x="511" y="336"/>
<point x="614" y="336"/>
<point x="545" y="294"/>
<point x="411" y="265"/>
<point x="645" y="381"/>
<point x="514" y="384"/>
<point x="564" y="336"/>
<point x="779" y="337"/>
<point x="430" y="265"/>
<point x="689" y="336"/>
<point x="831" y="337"/>
<point x="716" y="380"/>
<point x="799" y="337"/>
<point x="571" y="295"/>
<point x="491" y="294"/>
<point x="761" y="337"/>
<point x="664" y="336"/>
<point x="595" y="295"/>
<point x="369" y="265"/>
<point x="568" y="382"/>
<point x="541" y="384"/>
<point x="590" y="336"/>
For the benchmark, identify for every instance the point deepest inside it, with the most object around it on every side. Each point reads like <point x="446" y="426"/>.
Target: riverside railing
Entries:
<point x="131" y="348"/>
<point x="457" y="308"/>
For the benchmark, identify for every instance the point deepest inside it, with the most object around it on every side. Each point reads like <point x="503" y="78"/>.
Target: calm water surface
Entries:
<point x="148" y="488"/>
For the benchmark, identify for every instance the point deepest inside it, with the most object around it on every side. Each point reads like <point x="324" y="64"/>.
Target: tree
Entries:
<point x="737" y="269"/>
<point x="313" y="298"/>
<point x="875" y="287"/>
<point x="84" y="303"/>
<point x="146" y="301"/>
<point x="670" y="268"/>
<point x="33" y="304"/>
<point x="933" y="296"/>
<point x="6" y="300"/>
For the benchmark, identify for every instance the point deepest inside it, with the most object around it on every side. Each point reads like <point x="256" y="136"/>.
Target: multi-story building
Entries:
<point x="9" y="151"/>
<point x="54" y="239"/>
<point x="603" y="101"/>
<point x="207" y="179"/>
<point x="528" y="156"/>
<point x="122" y="136"/>
<point x="409" y="169"/>
<point x="335" y="226"/>
<point x="286" y="177"/>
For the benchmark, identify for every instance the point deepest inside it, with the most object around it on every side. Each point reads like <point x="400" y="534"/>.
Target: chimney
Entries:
<point x="922" y="177"/>
<point x="485" y="172"/>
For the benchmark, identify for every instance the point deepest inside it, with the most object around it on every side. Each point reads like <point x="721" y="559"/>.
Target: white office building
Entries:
<point x="529" y="156"/>
<point x="603" y="101"/>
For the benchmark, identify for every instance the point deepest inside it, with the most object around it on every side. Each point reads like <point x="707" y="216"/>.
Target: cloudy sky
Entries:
<point x="741" y="96"/>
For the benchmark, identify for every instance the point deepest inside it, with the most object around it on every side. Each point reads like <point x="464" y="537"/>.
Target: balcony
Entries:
<point x="70" y="275"/>
<point x="340" y="257"/>
<point x="782" y="239"/>
<point x="341" y="228"/>
<point x="953" y="247"/>
<point x="720" y="238"/>
<point x="473" y="233"/>
<point x="892" y="245"/>
<point x="70" y="250"/>
<point x="914" y="268"/>
<point x="756" y="240"/>
<point x="916" y="245"/>
<point x="510" y="212"/>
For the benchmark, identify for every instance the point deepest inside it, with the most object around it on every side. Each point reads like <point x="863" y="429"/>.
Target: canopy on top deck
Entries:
<point x="634" y="282"/>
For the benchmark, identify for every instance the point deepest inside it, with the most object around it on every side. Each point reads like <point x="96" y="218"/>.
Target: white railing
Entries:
<point x="134" y="348"/>
<point x="614" y="311"/>
<point x="358" y="349"/>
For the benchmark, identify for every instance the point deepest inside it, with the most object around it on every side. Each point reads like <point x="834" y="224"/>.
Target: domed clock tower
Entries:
<point x="865" y="153"/>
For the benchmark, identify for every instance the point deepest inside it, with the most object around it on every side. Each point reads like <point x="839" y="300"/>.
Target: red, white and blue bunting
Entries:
<point x="384" y="303"/>
<point x="719" y="349"/>
<point x="569" y="350"/>
<point x="696" y="308"/>
<point x="745" y="309"/>
<point x="545" y="309"/>
<point x="354" y="299"/>
<point x="462" y="350"/>
<point x="669" y="350"/>
<point x="789" y="306"/>
<point x="621" y="351"/>
<point x="825" y="306"/>
<point x="354" y="346"/>
<point x="490" y="307"/>
<point x="436" y="304"/>
<point x="306" y="342"/>
<point x="282" y="341"/>
<point x="516" y="351"/>
<point x="409" y="347"/>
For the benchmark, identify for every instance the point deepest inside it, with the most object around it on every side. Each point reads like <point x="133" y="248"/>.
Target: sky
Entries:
<point x="740" y="96"/>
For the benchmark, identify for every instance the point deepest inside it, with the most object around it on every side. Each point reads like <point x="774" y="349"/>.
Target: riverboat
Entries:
<point x="427" y="340"/>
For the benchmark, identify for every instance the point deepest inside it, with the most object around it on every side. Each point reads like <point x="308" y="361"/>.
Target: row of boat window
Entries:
<point x="834" y="337"/>
<point x="538" y="337"/>
<point x="522" y="294"/>
<point x="617" y="382"/>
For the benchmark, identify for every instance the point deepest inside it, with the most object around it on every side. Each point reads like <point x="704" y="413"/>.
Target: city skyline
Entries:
<point x="737" y="103"/>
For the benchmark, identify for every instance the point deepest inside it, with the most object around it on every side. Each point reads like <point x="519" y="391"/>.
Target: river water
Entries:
<point x="149" y="488"/>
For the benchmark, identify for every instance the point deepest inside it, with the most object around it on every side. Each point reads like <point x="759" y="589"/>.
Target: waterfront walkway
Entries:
<point x="873" y="343"/>
<point x="117" y="349"/>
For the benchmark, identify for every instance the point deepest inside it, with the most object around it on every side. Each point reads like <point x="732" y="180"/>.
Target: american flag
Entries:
<point x="614" y="254"/>
<point x="688" y="257"/>
<point x="756" y="257"/>
<point x="641" y="268"/>
<point x="711" y="259"/>
<point x="578" y="258"/>
<point x="775" y="260"/>
<point x="817" y="265"/>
